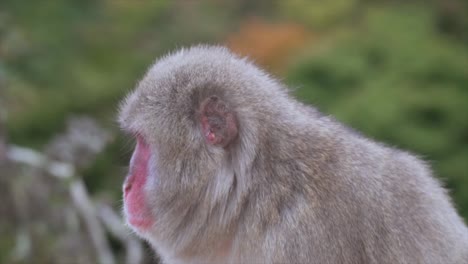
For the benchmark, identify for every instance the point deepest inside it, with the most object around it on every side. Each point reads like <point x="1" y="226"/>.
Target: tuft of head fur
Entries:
<point x="295" y="187"/>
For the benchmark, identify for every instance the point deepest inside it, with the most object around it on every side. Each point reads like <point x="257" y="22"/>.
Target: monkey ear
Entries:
<point x="218" y="122"/>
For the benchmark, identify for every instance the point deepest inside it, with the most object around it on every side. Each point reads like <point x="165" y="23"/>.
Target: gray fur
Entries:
<point x="295" y="187"/>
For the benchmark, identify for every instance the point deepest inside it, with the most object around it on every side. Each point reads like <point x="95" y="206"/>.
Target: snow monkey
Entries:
<point x="230" y="168"/>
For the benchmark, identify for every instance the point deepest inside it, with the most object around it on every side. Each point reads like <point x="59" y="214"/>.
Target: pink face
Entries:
<point x="135" y="206"/>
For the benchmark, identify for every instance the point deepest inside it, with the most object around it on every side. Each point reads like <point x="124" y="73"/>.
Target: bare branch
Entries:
<point x="86" y="208"/>
<point x="133" y="247"/>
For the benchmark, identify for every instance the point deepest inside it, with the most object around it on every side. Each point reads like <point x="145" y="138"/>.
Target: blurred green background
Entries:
<point x="395" y="70"/>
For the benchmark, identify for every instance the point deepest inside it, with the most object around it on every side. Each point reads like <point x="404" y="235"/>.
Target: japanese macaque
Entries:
<point x="229" y="168"/>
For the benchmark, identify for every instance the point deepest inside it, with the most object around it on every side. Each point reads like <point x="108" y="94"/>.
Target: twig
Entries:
<point x="87" y="210"/>
<point x="133" y="247"/>
<point x="77" y="191"/>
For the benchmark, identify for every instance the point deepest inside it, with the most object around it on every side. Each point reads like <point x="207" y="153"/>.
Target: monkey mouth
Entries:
<point x="139" y="222"/>
<point x="137" y="218"/>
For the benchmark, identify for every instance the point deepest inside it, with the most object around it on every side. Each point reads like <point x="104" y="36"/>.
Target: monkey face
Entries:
<point x="135" y="205"/>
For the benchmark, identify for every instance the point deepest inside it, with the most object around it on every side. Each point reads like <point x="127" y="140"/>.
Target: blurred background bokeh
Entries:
<point x="395" y="70"/>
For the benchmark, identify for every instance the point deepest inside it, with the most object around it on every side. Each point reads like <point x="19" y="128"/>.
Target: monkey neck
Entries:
<point x="217" y="250"/>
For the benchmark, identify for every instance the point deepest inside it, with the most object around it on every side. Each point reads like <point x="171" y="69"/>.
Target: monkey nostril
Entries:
<point x="127" y="187"/>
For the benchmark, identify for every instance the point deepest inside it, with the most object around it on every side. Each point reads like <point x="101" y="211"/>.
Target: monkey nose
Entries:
<point x="127" y="187"/>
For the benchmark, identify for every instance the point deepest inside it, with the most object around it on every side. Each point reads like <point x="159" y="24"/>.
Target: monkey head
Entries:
<point x="196" y="134"/>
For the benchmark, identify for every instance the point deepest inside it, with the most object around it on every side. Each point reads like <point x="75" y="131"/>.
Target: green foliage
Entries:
<point x="71" y="57"/>
<point x="317" y="13"/>
<point x="397" y="80"/>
